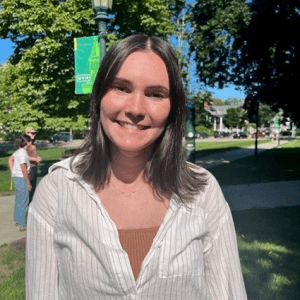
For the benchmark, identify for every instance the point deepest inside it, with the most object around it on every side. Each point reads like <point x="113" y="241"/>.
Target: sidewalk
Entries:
<point x="239" y="197"/>
<point x="262" y="195"/>
<point x="226" y="157"/>
<point x="8" y="231"/>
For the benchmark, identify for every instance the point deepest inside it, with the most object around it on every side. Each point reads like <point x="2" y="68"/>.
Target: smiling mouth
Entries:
<point x="132" y="126"/>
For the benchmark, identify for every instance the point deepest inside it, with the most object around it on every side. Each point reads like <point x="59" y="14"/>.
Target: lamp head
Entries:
<point x="102" y="3"/>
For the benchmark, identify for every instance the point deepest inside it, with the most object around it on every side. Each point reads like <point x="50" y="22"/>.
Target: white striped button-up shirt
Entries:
<point x="73" y="249"/>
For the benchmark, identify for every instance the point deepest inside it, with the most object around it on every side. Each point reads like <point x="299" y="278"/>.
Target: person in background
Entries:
<point x="20" y="173"/>
<point x="34" y="160"/>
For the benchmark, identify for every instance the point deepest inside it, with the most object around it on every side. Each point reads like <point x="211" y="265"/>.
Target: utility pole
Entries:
<point x="257" y="124"/>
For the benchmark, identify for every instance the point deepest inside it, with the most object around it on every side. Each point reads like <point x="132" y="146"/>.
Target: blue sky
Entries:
<point x="6" y="48"/>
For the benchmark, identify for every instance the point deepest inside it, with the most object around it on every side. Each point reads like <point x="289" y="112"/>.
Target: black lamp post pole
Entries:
<point x="189" y="145"/>
<point x="101" y="19"/>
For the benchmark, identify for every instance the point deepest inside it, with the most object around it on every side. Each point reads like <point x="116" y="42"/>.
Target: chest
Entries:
<point x="32" y="151"/>
<point x="141" y="210"/>
<point x="90" y="255"/>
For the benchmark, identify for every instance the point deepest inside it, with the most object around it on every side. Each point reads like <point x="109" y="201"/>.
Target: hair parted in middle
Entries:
<point x="166" y="170"/>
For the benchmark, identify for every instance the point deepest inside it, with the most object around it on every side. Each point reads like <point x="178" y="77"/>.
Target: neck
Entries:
<point x="128" y="167"/>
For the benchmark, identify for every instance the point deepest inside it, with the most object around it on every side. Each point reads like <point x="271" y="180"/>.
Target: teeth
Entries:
<point x="123" y="124"/>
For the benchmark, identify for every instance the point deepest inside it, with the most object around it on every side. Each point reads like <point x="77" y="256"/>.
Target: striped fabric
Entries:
<point x="73" y="250"/>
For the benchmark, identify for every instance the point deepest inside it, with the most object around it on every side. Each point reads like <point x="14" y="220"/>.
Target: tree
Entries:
<point x="265" y="115"/>
<point x="247" y="43"/>
<point x="218" y="101"/>
<point x="40" y="73"/>
<point x="235" y="117"/>
<point x="201" y="101"/>
<point x="234" y="101"/>
<point x="216" y="24"/>
<point x="271" y="72"/>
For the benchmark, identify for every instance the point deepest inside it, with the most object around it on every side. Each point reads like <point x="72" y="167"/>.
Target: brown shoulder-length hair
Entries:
<point x="166" y="170"/>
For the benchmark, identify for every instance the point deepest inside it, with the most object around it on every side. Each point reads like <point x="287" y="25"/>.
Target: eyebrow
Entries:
<point x="161" y="87"/>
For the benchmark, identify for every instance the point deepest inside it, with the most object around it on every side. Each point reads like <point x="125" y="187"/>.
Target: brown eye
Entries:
<point x="155" y="95"/>
<point x="120" y="88"/>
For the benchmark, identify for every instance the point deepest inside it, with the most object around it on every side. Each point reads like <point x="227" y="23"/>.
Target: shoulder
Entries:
<point x="51" y="188"/>
<point x="211" y="198"/>
<point x="45" y="201"/>
<point x="21" y="153"/>
<point x="203" y="174"/>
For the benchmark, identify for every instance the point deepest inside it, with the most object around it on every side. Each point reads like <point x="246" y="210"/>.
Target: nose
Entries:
<point x="135" y="107"/>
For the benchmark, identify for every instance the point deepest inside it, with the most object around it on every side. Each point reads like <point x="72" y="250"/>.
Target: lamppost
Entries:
<point x="101" y="7"/>
<point x="189" y="145"/>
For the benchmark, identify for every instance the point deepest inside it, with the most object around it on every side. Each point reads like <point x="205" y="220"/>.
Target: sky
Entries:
<point x="6" y="49"/>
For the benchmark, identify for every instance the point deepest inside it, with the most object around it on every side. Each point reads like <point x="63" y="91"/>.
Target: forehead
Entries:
<point x="145" y="66"/>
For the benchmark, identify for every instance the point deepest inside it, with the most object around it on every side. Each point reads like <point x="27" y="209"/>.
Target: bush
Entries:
<point x="202" y="128"/>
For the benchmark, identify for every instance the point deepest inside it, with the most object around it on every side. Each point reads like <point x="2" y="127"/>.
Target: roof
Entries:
<point x="219" y="110"/>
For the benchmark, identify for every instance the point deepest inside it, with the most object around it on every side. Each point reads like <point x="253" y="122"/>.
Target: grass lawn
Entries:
<point x="269" y="247"/>
<point x="271" y="165"/>
<point x="13" y="288"/>
<point x="12" y="273"/>
<point x="214" y="147"/>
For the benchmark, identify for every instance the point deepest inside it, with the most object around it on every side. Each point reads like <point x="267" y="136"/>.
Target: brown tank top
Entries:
<point x="137" y="243"/>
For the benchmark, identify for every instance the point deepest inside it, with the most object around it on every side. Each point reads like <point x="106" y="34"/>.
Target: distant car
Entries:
<point x="218" y="134"/>
<point x="60" y="136"/>
<point x="240" y="135"/>
<point x="225" y="134"/>
<point x="259" y="134"/>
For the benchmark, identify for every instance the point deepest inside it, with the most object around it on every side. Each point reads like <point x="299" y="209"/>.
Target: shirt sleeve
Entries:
<point x="23" y="157"/>
<point x="41" y="263"/>
<point x="222" y="266"/>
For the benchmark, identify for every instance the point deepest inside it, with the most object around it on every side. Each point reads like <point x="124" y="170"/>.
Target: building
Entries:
<point x="219" y="112"/>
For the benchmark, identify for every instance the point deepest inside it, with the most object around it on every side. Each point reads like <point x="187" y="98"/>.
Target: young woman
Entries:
<point x="127" y="217"/>
<point x="22" y="184"/>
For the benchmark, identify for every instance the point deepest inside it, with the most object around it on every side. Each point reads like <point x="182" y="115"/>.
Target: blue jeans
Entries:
<point x="21" y="201"/>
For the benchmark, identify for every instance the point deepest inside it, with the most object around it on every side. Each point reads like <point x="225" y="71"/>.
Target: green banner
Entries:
<point x="87" y="61"/>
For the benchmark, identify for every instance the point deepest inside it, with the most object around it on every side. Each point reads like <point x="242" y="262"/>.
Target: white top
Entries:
<point x="21" y="157"/>
<point x="73" y="249"/>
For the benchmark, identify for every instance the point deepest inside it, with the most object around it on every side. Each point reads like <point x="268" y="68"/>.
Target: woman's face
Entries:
<point x="135" y="109"/>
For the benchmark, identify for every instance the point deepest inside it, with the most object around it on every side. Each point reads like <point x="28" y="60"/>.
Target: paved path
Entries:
<point x="8" y="231"/>
<point x="262" y="195"/>
<point x="226" y="157"/>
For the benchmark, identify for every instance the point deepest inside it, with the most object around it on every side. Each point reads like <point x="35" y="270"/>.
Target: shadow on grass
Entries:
<point x="269" y="252"/>
<point x="3" y="168"/>
<point x="206" y="152"/>
<point x="272" y="165"/>
<point x="7" y="153"/>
